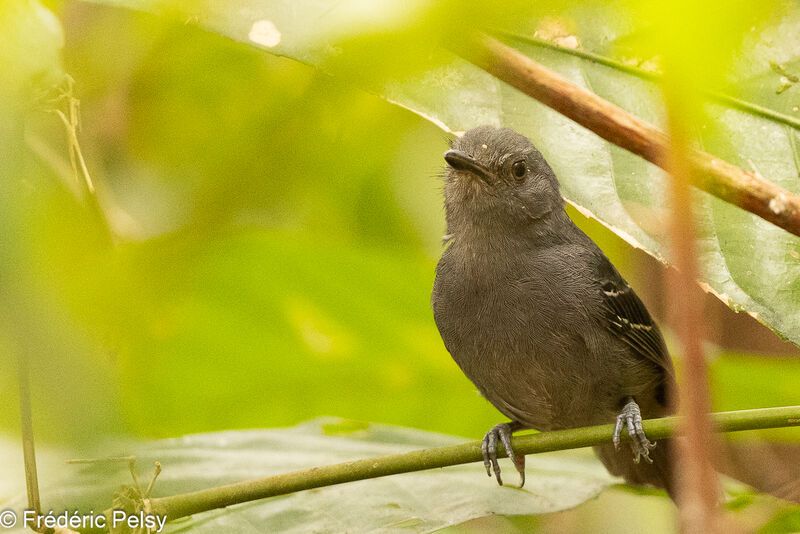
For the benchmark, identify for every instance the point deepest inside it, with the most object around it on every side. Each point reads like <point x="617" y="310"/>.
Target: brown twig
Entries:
<point x="711" y="174"/>
<point x="652" y="76"/>
<point x="28" y="448"/>
<point x="67" y="108"/>
<point x="698" y="492"/>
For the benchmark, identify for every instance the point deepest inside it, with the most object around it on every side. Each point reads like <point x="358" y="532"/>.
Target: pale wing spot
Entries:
<point x="265" y="33"/>
<point x="635" y="326"/>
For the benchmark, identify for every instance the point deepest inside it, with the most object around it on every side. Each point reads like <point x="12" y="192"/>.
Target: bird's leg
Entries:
<point x="631" y="417"/>
<point x="502" y="431"/>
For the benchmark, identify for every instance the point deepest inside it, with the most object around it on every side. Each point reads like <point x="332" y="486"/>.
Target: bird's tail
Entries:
<point x="769" y="468"/>
<point x="659" y="473"/>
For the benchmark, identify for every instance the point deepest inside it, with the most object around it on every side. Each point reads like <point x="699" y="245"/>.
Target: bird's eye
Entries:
<point x="519" y="169"/>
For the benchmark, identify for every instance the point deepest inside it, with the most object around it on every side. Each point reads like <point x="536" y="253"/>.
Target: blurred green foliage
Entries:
<point x="279" y="233"/>
<point x="274" y="236"/>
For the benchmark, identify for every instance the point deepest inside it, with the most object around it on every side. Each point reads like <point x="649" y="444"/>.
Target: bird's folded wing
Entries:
<point x="627" y="317"/>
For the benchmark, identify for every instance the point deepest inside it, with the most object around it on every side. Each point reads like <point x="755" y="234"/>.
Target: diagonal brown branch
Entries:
<point x="711" y="174"/>
<point x="653" y="76"/>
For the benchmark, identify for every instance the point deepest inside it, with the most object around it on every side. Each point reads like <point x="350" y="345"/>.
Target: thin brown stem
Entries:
<point x="711" y="174"/>
<point x="28" y="446"/>
<point x="71" y="119"/>
<point x="698" y="492"/>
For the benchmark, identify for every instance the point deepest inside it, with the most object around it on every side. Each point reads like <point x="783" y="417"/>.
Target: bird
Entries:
<point x="538" y="318"/>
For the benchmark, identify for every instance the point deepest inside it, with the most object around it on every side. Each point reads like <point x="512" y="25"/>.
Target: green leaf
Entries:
<point x="414" y="502"/>
<point x="788" y="521"/>
<point x="748" y="263"/>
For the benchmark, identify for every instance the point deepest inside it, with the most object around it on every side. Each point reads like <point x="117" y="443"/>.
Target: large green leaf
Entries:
<point x="413" y="502"/>
<point x="748" y="263"/>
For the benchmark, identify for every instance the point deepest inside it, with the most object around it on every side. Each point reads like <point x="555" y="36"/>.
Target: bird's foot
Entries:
<point x="631" y="417"/>
<point x="502" y="432"/>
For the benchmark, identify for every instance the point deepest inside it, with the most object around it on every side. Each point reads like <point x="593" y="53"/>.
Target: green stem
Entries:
<point x="722" y="98"/>
<point x="178" y="506"/>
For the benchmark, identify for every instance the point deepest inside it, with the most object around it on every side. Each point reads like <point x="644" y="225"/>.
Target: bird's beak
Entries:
<point x="461" y="161"/>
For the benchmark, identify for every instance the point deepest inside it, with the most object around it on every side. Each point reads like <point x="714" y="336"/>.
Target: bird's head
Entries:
<point x="496" y="178"/>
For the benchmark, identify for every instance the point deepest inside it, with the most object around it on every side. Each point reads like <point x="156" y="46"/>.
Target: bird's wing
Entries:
<point x="626" y="316"/>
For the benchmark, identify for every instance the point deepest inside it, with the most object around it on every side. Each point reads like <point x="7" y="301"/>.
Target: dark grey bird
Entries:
<point x="537" y="316"/>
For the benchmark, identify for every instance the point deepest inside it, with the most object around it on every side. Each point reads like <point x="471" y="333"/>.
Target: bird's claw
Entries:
<point x="631" y="417"/>
<point x="502" y="431"/>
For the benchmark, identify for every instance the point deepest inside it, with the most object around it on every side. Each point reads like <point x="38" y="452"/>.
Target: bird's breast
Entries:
<point x="505" y="325"/>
